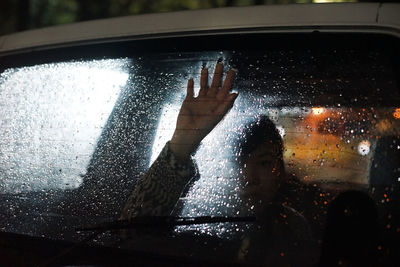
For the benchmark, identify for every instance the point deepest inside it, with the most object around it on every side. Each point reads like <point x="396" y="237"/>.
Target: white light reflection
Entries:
<point x="317" y="111"/>
<point x="281" y="130"/>
<point x="165" y="129"/>
<point x="52" y="117"/>
<point x="364" y="147"/>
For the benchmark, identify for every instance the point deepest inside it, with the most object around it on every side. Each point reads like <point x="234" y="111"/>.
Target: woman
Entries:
<point x="279" y="227"/>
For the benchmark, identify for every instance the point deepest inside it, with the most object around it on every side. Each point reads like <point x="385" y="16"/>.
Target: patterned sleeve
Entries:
<point x="158" y="190"/>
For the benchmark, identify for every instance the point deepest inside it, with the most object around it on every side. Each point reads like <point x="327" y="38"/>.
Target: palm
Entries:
<point x="199" y="115"/>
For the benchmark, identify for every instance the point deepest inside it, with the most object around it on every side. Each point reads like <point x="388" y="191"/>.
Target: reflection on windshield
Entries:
<point x="52" y="117"/>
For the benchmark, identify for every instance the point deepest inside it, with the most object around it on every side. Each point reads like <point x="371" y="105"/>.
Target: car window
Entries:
<point x="53" y="115"/>
<point x="77" y="135"/>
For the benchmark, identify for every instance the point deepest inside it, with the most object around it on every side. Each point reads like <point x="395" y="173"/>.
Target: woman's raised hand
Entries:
<point x="199" y="115"/>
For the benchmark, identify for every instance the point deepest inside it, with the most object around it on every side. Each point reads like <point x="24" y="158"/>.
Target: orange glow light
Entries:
<point x="317" y="110"/>
<point x="396" y="113"/>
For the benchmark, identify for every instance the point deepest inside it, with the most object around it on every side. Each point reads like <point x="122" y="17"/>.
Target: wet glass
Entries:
<point x="77" y="135"/>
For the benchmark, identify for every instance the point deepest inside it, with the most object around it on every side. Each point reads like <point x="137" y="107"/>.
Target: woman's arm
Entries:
<point x="157" y="192"/>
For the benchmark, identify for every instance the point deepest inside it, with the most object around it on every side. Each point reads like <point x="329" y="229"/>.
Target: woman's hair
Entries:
<point x="257" y="133"/>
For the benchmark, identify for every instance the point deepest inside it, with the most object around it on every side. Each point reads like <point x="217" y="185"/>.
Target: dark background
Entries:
<point x="20" y="15"/>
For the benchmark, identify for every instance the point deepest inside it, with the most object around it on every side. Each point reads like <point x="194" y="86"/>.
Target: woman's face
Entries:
<point x="261" y="173"/>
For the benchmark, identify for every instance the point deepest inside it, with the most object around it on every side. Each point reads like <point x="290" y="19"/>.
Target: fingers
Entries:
<point x="190" y="89"/>
<point x="219" y="69"/>
<point x="227" y="86"/>
<point x="203" y="82"/>
<point x="216" y="82"/>
<point x="227" y="104"/>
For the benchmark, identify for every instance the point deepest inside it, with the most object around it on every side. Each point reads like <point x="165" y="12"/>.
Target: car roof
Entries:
<point x="348" y="17"/>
